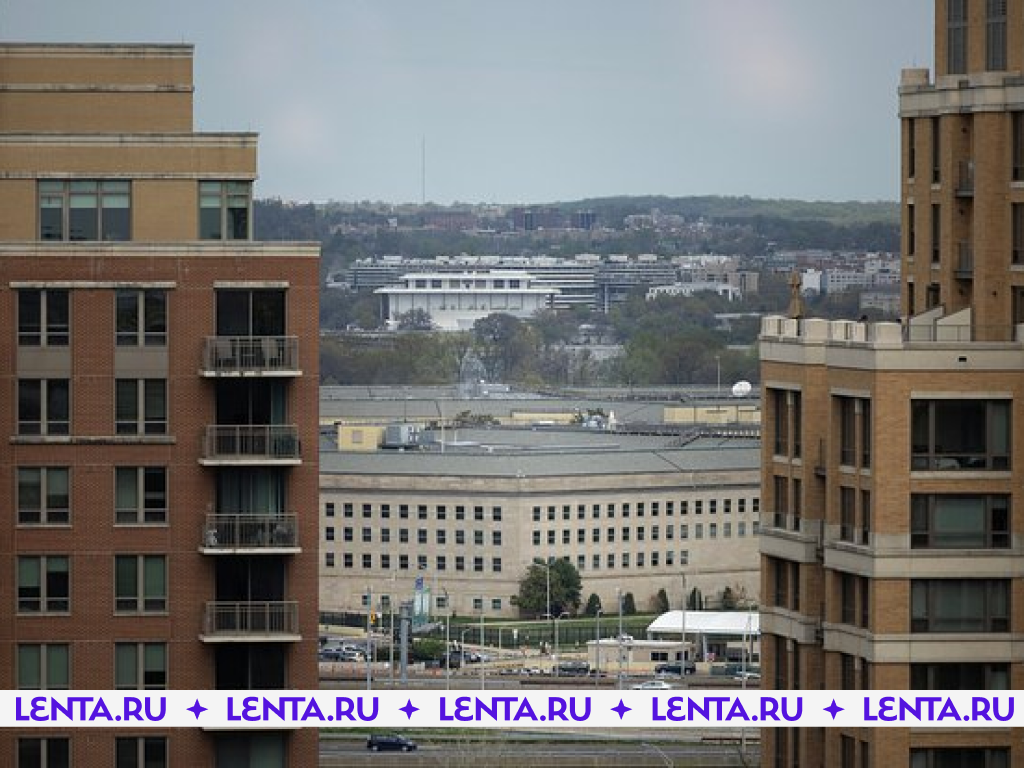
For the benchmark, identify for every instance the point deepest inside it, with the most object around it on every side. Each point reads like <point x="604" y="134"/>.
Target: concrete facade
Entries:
<point x="138" y="315"/>
<point x="471" y="522"/>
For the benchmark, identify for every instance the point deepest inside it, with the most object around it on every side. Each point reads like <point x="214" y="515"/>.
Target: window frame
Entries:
<point x="139" y="666"/>
<point x="46" y="402"/>
<point x="142" y="513"/>
<point x="219" y="196"/>
<point x="46" y="674"/>
<point x="141" y="600"/>
<point x="46" y="513"/>
<point x="62" y="194"/>
<point x="140" y="406"/>
<point x="140" y="317"/>
<point x="51" y="324"/>
<point x="50" y="598"/>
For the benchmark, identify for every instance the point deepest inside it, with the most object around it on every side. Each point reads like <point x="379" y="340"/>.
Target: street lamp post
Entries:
<point x="369" y="631"/>
<point x="682" y="632"/>
<point x="447" y="642"/>
<point x="547" y="583"/>
<point x="554" y="656"/>
<point x="618" y="595"/>
<point x="481" y="662"/>
<point x="597" y="647"/>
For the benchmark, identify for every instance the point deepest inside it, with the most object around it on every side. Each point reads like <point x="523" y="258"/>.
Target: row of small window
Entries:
<point x="640" y="533"/>
<point x="624" y="559"/>
<point x="90" y="210"/>
<point x="48" y="666"/>
<point x="44" y="317"/>
<point x="44" y="406"/>
<point x="404" y="511"/>
<point x="43" y="584"/>
<point x="44" y="496"/>
<point x="440" y="536"/>
<point x="403" y="562"/>
<point x="625" y="510"/>
<point x="440" y="602"/>
<point x="129" y="752"/>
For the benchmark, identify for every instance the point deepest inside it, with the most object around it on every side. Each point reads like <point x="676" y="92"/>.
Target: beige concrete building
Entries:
<point x="631" y="513"/>
<point x="159" y="424"/>
<point x="892" y="478"/>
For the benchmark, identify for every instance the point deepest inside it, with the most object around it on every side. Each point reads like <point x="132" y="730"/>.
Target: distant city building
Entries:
<point x="689" y="289"/>
<point x="630" y="513"/>
<point x="456" y="300"/>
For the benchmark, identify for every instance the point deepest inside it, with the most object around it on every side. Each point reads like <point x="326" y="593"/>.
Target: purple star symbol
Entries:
<point x="196" y="709"/>
<point x="834" y="709"/>
<point x="409" y="709"/>
<point x="622" y="709"/>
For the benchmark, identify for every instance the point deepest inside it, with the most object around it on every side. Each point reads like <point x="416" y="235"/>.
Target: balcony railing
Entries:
<point x="261" y="532"/>
<point x="251" y="355"/>
<point x="965" y="261"/>
<point x="248" y="443"/>
<point x="247" y="619"/>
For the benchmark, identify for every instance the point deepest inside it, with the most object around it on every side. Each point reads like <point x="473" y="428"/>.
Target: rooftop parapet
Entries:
<point x="930" y="330"/>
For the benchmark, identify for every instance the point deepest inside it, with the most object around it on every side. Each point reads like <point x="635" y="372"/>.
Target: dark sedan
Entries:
<point x="392" y="742"/>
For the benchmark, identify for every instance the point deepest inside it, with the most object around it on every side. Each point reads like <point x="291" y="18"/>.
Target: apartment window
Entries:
<point x="403" y="562"/>
<point x="655" y="533"/>
<point x="727" y="530"/>
<point x="960" y="757"/>
<point x="367" y="535"/>
<point x="496" y="514"/>
<point x="610" y="537"/>
<point x="347" y="533"/>
<point x="595" y="511"/>
<point x="699" y="532"/>
<point x="911" y="231"/>
<point x="367" y="511"/>
<point x="936" y="150"/>
<point x="1017" y="224"/>
<point x="140" y="583"/>
<point x="952" y="521"/>
<point x="140" y="495"/>
<point x="670" y="508"/>
<point x="496" y="538"/>
<point x="625" y="559"/>
<point x="847" y="513"/>
<point x="44" y="667"/>
<point x="581" y="535"/>
<point x="43" y="496"/>
<point x="496" y="564"/>
<point x="403" y="511"/>
<point x="581" y="562"/>
<point x="713" y="530"/>
<point x="670" y="530"/>
<point x="385" y="511"/>
<point x="478" y="538"/>
<point x="781" y="487"/>
<point x="85" y="210"/>
<point x="329" y="533"/>
<point x="847" y="598"/>
<point x="995" y="35"/>
<point x="780" y="410"/>
<point x="328" y="559"/>
<point x="932" y="295"/>
<point x="460" y="512"/>
<point x="865" y="518"/>
<point x="49" y="752"/>
<point x="640" y="509"/>
<point x="959" y="605"/>
<point x="421" y="536"/>
<point x="225" y="210"/>
<point x="140" y="665"/>
<point x="936" y="234"/>
<point x="44" y="584"/>
<point x="385" y="562"/>
<point x="478" y="565"/>
<point x="441" y="537"/>
<point x="551" y="513"/>
<point x="595" y="535"/>
<point x="956" y="37"/>
<point x="610" y="511"/>
<point x="43" y="317"/>
<point x="44" y="407"/>
<point x="141" y="318"/>
<point x="347" y="510"/>
<point x="1017" y="141"/>
<point x="441" y="564"/>
<point x="865" y="434"/>
<point x="713" y="507"/>
<point x="551" y="537"/>
<point x="684" y="532"/>
<point x="460" y="537"/>
<point x="421" y="562"/>
<point x="911" y="148"/>
<point x="347" y="560"/>
<point x="625" y="510"/>
<point x="536" y="538"/>
<point x="960" y="434"/>
<point x="610" y="561"/>
<point x="625" y="533"/>
<point x="741" y="529"/>
<point x="403" y="535"/>
<point x="669" y="557"/>
<point x="495" y="603"/>
<point x="329" y="509"/>
<point x="655" y="560"/>
<point x="960" y="677"/>
<point x="595" y="562"/>
<point x="536" y="514"/>
<point x="655" y="508"/>
<point x="566" y="512"/>
<point x="140" y="406"/>
<point x="478" y="603"/>
<point x="140" y="752"/>
<point x="797" y="503"/>
<point x="421" y="512"/>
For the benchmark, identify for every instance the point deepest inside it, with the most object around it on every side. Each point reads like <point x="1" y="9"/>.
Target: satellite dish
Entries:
<point x="741" y="389"/>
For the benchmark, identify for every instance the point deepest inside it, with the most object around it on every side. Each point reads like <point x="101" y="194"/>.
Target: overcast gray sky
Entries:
<point x="536" y="100"/>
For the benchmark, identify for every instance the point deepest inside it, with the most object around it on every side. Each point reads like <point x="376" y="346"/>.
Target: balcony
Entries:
<point x="232" y="356"/>
<point x="251" y="622"/>
<point x="251" y="444"/>
<point x="965" y="262"/>
<point x="965" y="179"/>
<point x="250" y="534"/>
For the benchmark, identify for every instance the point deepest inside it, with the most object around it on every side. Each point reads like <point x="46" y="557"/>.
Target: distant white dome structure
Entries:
<point x="741" y="388"/>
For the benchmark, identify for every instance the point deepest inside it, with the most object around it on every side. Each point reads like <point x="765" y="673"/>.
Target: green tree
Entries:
<point x="728" y="599"/>
<point x="628" y="604"/>
<point x="660" y="601"/>
<point x="415" y="320"/>
<point x="593" y="605"/>
<point x="695" y="601"/>
<point x="565" y="589"/>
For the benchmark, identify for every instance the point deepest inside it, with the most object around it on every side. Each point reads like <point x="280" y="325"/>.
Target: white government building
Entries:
<point x="456" y="300"/>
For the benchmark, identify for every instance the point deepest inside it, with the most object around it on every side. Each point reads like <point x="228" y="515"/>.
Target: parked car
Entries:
<point x="390" y="742"/>
<point x="673" y="670"/>
<point x="652" y="685"/>
<point x="750" y="677"/>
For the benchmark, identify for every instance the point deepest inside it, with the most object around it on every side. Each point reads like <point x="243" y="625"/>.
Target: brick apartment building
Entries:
<point x="158" y="467"/>
<point x="892" y="476"/>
